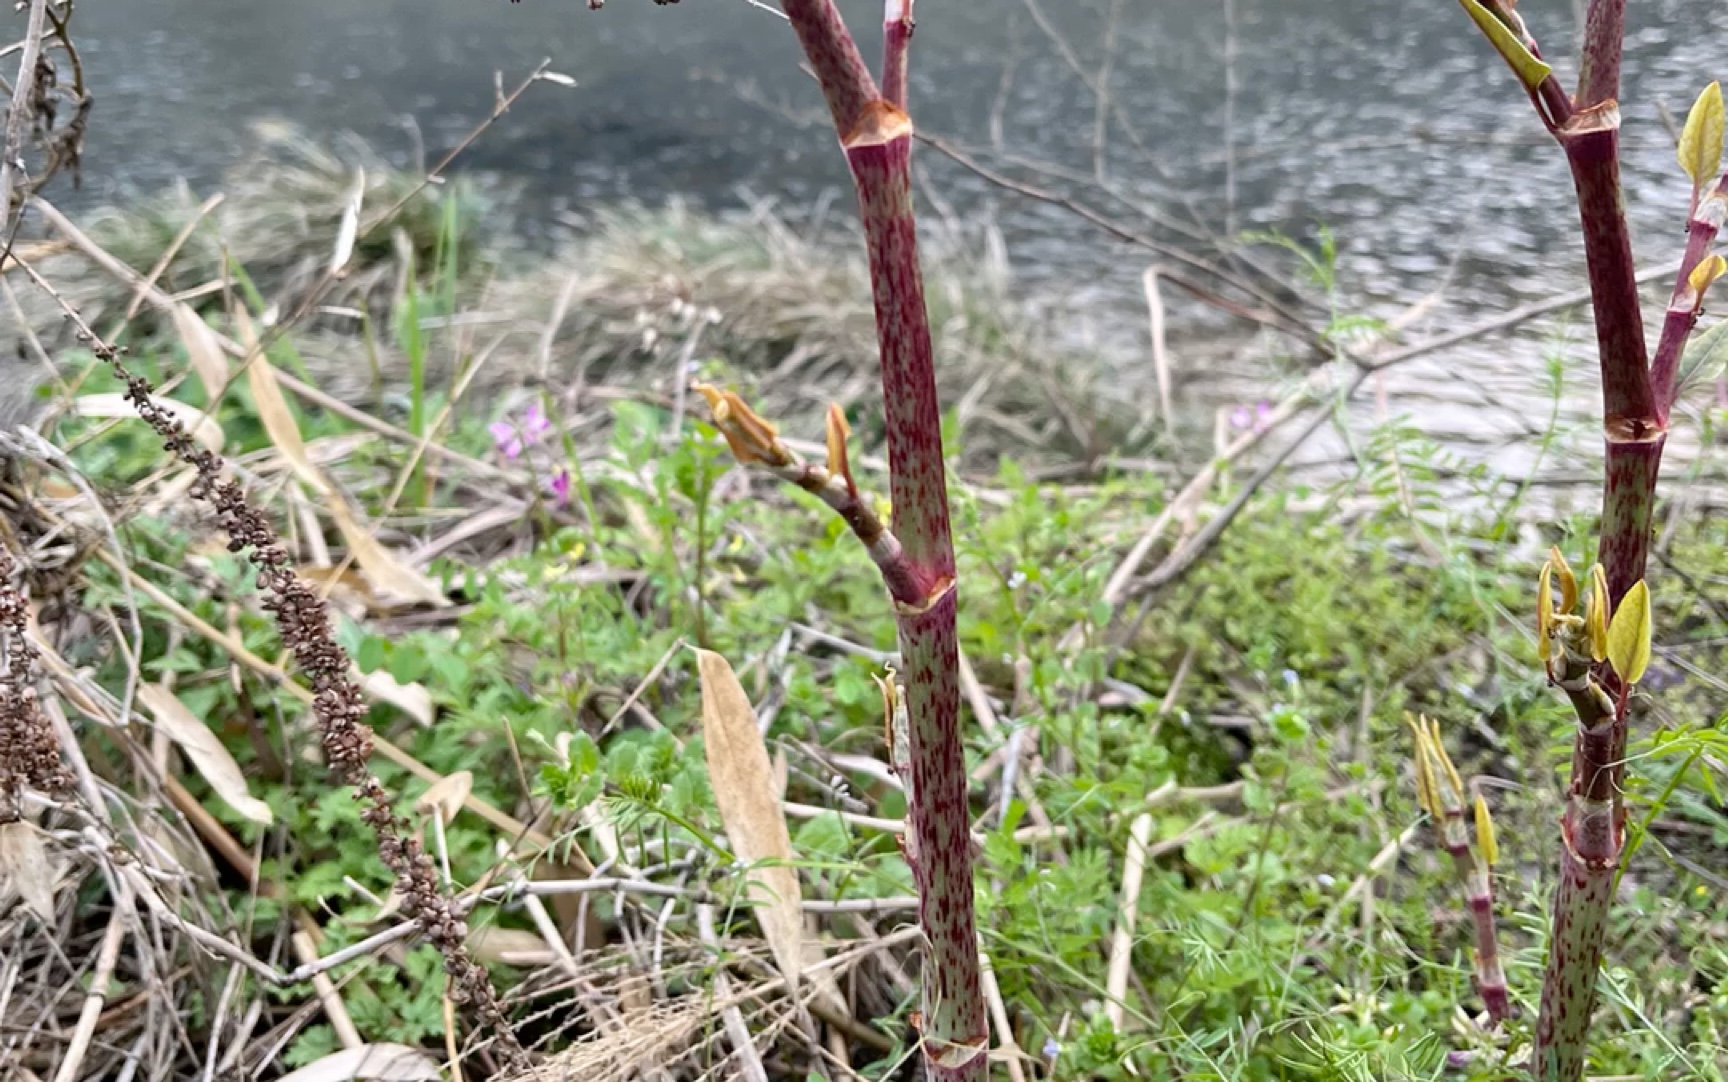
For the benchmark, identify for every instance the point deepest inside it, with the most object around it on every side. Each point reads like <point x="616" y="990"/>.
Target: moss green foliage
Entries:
<point x="1305" y="638"/>
<point x="1281" y="934"/>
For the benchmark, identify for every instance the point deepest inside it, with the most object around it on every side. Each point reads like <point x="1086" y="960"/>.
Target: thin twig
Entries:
<point x="20" y="115"/>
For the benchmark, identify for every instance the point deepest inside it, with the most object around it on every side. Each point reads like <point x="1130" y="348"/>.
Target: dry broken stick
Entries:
<point x="303" y="620"/>
<point x="29" y="753"/>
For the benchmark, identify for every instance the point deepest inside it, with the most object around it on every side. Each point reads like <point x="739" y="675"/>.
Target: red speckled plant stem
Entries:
<point x="1634" y="431"/>
<point x="1473" y="877"/>
<point x="876" y="135"/>
<point x="896" y="40"/>
<point x="1599" y="62"/>
<point x="1686" y="303"/>
<point x="1636" y="397"/>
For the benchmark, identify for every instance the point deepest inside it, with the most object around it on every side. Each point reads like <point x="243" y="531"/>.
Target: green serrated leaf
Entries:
<point x="1629" y="634"/>
<point x="1700" y="149"/>
<point x="1530" y="69"/>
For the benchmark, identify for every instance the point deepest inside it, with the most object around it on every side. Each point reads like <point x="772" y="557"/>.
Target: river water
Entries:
<point x="1389" y="122"/>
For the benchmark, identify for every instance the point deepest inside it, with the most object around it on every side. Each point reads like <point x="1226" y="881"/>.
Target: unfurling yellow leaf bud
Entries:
<point x="1568" y="581"/>
<point x="1486" y="843"/>
<point x="1545" y="612"/>
<point x="1424" y="769"/>
<point x="751" y="438"/>
<point x="1700" y="149"/>
<point x="1707" y="271"/>
<point x="1457" y="790"/>
<point x="1629" y="634"/>
<point x="837" y="431"/>
<point x="1596" y="616"/>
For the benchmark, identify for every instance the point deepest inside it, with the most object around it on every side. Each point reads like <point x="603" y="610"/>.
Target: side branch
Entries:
<point x="834" y="56"/>
<point x="756" y="442"/>
<point x="1687" y="300"/>
<point x="896" y="39"/>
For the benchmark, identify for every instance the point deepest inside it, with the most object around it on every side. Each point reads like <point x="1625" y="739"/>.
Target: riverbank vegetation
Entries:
<point x="1197" y="818"/>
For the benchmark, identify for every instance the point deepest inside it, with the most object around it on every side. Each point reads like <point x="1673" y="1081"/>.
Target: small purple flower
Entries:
<point x="1256" y="417"/>
<point x="512" y="438"/>
<point x="560" y="485"/>
<point x="506" y="439"/>
<point x="534" y="422"/>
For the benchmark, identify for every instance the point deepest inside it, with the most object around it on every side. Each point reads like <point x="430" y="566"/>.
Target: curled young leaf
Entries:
<point x="1629" y="634"/>
<point x="1707" y="271"/>
<point x="1426" y="796"/>
<point x="1486" y="842"/>
<point x="1510" y="44"/>
<point x="751" y="437"/>
<point x="1545" y="612"/>
<point x="1568" y="581"/>
<point x="1700" y="149"/>
<point x="1596" y="617"/>
<point x="1456" y="792"/>
<point x="837" y="432"/>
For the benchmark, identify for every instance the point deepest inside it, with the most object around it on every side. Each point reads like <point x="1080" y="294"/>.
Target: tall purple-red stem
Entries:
<point x="1637" y="395"/>
<point x="876" y="135"/>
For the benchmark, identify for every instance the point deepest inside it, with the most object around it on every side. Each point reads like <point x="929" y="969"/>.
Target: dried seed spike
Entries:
<point x="837" y="432"/>
<point x="1545" y="612"/>
<point x="1596" y="616"/>
<point x="1486" y="843"/>
<point x="1568" y="581"/>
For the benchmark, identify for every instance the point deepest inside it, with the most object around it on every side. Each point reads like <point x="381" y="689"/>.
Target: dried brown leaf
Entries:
<point x="206" y="752"/>
<point x="370" y="1063"/>
<point x="382" y="569"/>
<point x="204" y="350"/>
<point x="509" y="946"/>
<point x="412" y="699"/>
<point x="26" y="869"/>
<point x="745" y="791"/>
<point x="199" y="425"/>
<point x="446" y="795"/>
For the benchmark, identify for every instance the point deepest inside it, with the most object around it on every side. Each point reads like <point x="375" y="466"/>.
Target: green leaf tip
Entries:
<point x="1700" y="149"/>
<point x="1629" y="634"/>
<point x="1508" y="41"/>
